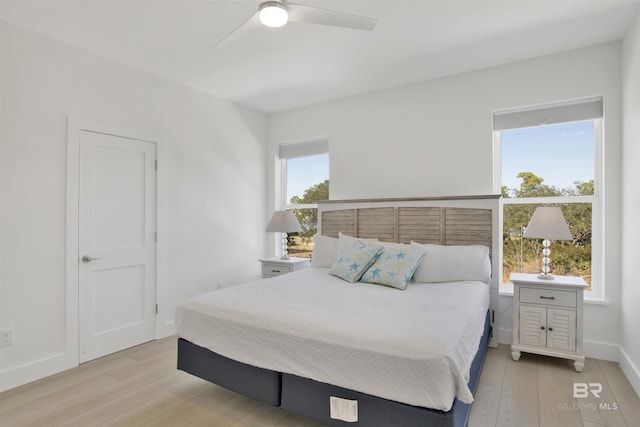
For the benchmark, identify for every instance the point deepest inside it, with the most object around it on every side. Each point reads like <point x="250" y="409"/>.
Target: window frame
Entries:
<point x="292" y="150"/>
<point x="303" y="148"/>
<point x="597" y="292"/>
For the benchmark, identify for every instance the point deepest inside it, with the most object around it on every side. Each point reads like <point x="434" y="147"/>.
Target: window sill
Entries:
<point x="595" y="301"/>
<point x="506" y="290"/>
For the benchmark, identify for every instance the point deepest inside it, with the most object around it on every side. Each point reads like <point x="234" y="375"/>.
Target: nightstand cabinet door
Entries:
<point x="561" y="329"/>
<point x="533" y="326"/>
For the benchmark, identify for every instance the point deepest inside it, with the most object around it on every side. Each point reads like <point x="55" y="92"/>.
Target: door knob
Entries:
<point x="87" y="258"/>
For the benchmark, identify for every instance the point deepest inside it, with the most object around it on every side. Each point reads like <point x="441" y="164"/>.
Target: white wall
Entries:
<point x="215" y="185"/>
<point x="435" y="138"/>
<point x="630" y="342"/>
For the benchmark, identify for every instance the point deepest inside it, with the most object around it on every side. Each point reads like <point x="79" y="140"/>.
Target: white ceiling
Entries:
<point x="299" y="64"/>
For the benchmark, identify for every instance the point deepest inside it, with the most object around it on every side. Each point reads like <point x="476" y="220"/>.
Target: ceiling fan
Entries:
<point x="276" y="13"/>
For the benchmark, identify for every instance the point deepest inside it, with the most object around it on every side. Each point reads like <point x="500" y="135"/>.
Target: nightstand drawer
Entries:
<point x="271" y="270"/>
<point x="276" y="266"/>
<point x="545" y="296"/>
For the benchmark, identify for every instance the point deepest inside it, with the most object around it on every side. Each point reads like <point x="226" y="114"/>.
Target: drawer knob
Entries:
<point x="550" y="329"/>
<point x="543" y="297"/>
<point x="275" y="271"/>
<point x="542" y="327"/>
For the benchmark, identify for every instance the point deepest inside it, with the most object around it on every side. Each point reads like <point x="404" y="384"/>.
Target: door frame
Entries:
<point x="74" y="126"/>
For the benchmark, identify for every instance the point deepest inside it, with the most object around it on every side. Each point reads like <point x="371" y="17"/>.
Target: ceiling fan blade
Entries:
<point x="315" y="15"/>
<point x="250" y="23"/>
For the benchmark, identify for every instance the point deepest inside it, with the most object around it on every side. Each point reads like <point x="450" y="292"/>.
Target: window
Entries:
<point x="551" y="157"/>
<point x="305" y="180"/>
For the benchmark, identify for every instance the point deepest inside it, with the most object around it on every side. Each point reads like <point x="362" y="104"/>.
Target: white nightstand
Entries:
<point x="275" y="266"/>
<point x="547" y="317"/>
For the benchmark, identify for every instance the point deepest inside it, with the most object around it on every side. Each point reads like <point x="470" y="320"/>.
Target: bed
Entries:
<point x="357" y="353"/>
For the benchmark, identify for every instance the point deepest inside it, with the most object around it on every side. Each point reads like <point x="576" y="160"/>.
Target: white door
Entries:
<point x="116" y="242"/>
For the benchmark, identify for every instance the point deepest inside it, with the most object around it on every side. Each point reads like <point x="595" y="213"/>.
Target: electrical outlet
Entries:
<point x="6" y="337"/>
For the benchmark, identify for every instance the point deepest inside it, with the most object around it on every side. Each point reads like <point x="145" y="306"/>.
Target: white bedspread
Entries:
<point x="414" y="346"/>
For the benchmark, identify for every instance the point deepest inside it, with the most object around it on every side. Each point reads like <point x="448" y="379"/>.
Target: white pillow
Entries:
<point x="345" y="242"/>
<point x="453" y="263"/>
<point x="325" y="251"/>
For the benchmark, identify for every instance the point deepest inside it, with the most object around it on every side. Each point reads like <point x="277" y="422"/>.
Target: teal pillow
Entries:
<point x="394" y="267"/>
<point x="354" y="261"/>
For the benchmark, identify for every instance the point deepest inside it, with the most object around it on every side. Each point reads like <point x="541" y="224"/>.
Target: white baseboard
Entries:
<point x="505" y="336"/>
<point x="602" y="351"/>
<point x="167" y="329"/>
<point x="630" y="370"/>
<point x="36" y="370"/>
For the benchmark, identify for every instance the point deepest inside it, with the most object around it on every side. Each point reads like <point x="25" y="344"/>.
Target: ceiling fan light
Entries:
<point x="273" y="14"/>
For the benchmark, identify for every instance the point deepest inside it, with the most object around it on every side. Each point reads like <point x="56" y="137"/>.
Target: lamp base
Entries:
<point x="546" y="271"/>
<point x="285" y="255"/>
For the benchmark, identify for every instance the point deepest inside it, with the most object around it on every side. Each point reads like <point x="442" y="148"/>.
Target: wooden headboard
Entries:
<point x="403" y="224"/>
<point x="460" y="220"/>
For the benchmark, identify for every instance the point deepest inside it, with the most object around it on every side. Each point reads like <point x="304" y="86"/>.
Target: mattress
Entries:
<point x="414" y="346"/>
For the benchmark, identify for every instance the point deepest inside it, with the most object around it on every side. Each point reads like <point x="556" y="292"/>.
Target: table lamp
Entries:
<point x="547" y="223"/>
<point x="284" y="222"/>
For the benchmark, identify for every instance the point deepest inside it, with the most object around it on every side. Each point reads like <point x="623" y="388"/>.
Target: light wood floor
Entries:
<point x="141" y="387"/>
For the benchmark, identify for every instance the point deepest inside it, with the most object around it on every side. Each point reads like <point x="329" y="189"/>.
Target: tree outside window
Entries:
<point x="306" y="182"/>
<point x="301" y="245"/>
<point x="569" y="258"/>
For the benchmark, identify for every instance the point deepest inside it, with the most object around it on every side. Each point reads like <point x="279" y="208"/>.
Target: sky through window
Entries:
<point x="560" y="154"/>
<point x="303" y="172"/>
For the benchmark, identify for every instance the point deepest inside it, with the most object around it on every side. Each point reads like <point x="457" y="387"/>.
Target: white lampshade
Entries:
<point x="273" y="14"/>
<point x="548" y="223"/>
<point x="284" y="222"/>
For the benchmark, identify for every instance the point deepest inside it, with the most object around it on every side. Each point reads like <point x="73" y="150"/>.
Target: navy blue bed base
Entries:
<point x="310" y="398"/>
